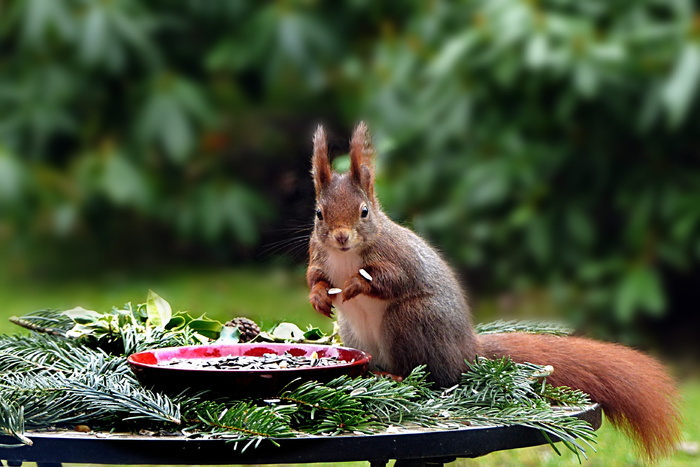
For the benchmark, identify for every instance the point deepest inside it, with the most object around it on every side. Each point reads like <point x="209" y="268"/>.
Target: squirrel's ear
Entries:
<point x="320" y="163"/>
<point x="361" y="158"/>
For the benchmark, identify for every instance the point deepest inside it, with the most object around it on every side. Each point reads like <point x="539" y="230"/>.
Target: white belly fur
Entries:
<point x="360" y="318"/>
<point x="360" y="325"/>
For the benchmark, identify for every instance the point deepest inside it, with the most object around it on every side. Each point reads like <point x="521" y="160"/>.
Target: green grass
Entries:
<point x="272" y="295"/>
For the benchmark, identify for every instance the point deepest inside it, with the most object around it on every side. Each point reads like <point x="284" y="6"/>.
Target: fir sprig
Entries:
<point x="324" y="409"/>
<point x="48" y="380"/>
<point x="389" y="401"/>
<point x="528" y="326"/>
<point x="54" y="398"/>
<point x="135" y="340"/>
<point x="563" y="396"/>
<point x="118" y="395"/>
<point x="493" y="392"/>
<point x="245" y="421"/>
<point x="45" y="401"/>
<point x="46" y="352"/>
<point x="12" y="422"/>
<point x="501" y="382"/>
<point x="45" y="321"/>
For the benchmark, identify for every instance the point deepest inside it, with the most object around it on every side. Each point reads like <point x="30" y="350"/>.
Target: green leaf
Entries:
<point x="680" y="89"/>
<point x="640" y="289"/>
<point x="158" y="310"/>
<point x="95" y="35"/>
<point x="123" y="182"/>
<point x="313" y="334"/>
<point x="207" y="327"/>
<point x="537" y="51"/>
<point x="82" y="316"/>
<point x="451" y="54"/>
<point x="12" y="177"/>
<point x="41" y="18"/>
<point x="176" y="322"/>
<point x="176" y="133"/>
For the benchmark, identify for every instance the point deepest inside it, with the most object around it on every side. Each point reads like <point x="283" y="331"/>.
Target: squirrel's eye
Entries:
<point x="365" y="211"/>
<point x="319" y="214"/>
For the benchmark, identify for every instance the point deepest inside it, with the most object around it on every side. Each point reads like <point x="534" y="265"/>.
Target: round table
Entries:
<point x="409" y="448"/>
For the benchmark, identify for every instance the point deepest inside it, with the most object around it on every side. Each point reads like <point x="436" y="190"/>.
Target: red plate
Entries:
<point x="241" y="383"/>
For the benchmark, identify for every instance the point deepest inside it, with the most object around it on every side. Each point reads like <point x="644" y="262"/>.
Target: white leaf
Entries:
<point x="158" y="310"/>
<point x="288" y="331"/>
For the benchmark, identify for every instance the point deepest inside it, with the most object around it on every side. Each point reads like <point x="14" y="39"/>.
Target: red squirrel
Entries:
<point x="399" y="300"/>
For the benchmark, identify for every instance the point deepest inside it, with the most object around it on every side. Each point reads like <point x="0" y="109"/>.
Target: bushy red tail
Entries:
<point x="636" y="393"/>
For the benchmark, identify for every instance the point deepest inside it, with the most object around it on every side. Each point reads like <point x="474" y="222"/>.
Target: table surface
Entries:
<point x="411" y="447"/>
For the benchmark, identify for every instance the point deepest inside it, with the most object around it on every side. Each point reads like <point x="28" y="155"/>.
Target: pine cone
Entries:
<point x="249" y="330"/>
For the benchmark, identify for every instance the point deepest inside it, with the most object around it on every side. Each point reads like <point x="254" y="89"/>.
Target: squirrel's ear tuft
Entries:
<point x="361" y="158"/>
<point x="320" y="163"/>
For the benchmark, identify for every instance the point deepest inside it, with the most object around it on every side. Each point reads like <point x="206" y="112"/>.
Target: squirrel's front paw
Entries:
<point x="320" y="299"/>
<point x="355" y="286"/>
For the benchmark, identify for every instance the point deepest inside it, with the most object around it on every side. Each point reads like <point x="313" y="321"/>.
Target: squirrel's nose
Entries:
<point x="341" y="237"/>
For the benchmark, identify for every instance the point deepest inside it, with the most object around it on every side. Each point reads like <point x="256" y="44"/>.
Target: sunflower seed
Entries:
<point x="365" y="274"/>
<point x="334" y="291"/>
<point x="264" y="362"/>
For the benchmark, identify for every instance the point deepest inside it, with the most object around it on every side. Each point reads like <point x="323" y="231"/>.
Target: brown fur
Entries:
<point x="361" y="154"/>
<point x="414" y="311"/>
<point x="321" y="172"/>
<point x="635" y="391"/>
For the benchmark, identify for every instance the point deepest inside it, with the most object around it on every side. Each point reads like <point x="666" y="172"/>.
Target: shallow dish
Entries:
<point x="150" y="371"/>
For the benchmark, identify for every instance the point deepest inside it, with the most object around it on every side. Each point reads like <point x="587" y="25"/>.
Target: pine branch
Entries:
<point x="43" y="401"/>
<point x="528" y="326"/>
<point x="57" y="381"/>
<point x="323" y="409"/>
<point x="44" y="321"/>
<point x="45" y="352"/>
<point x="573" y="432"/>
<point x="564" y="396"/>
<point x="501" y="382"/>
<point x="52" y="398"/>
<point x="117" y="395"/>
<point x="12" y="422"/>
<point x="493" y="392"/>
<point x="134" y="340"/>
<point x="388" y="400"/>
<point x="245" y="422"/>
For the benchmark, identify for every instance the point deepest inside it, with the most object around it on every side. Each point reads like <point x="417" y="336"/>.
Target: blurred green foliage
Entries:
<point x="540" y="144"/>
<point x="552" y="142"/>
